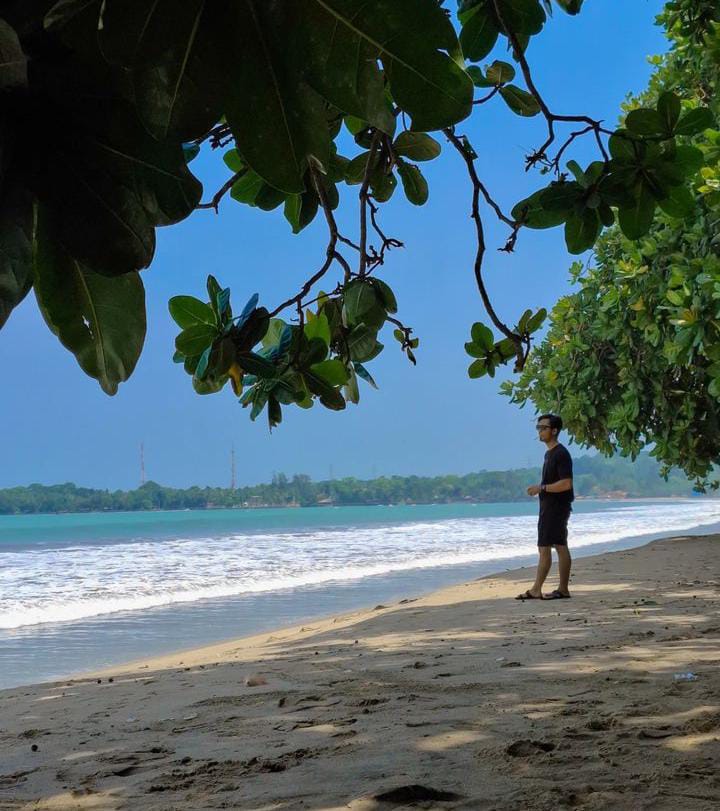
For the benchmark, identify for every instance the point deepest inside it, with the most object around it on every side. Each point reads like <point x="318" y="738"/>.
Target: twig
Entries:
<point x="364" y="197"/>
<point x="490" y="95"/>
<point x="480" y="254"/>
<point x="224" y="189"/>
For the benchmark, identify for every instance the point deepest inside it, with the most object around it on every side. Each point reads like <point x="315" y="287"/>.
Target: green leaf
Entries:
<point x="482" y="336"/>
<point x="561" y="197"/>
<point x="477" y="368"/>
<point x="361" y="304"/>
<point x="233" y="160"/>
<point x="520" y="101"/>
<point x="581" y="231"/>
<point x="16" y="234"/>
<point x="532" y="213"/>
<point x="635" y="221"/>
<point x="695" y="121"/>
<point x="177" y="56"/>
<point x="623" y="147"/>
<point x="362" y="343"/>
<point x="387" y="297"/>
<point x="256" y="365"/>
<point x="570" y="6"/>
<point x="301" y="209"/>
<point x="361" y="371"/>
<point x="195" y="340"/>
<point x="525" y="17"/>
<point x="383" y="185"/>
<point x="417" y="146"/>
<point x="426" y="80"/>
<point x="645" y="122"/>
<point x="187" y="311"/>
<point x="414" y="184"/>
<point x="351" y="390"/>
<point x="668" y="107"/>
<point x="475" y="350"/>
<point x="478" y="77"/>
<point x="277" y="120"/>
<point x="500" y="72"/>
<point x="13" y="62"/>
<point x="317" y="326"/>
<point x="355" y="170"/>
<point x="332" y="371"/>
<point x="246" y="188"/>
<point x="689" y="159"/>
<point x="537" y="320"/>
<point x="680" y="203"/>
<point x="100" y="320"/>
<point x="479" y="33"/>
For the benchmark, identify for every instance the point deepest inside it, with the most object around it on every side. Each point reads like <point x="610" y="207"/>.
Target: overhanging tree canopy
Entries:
<point x="633" y="357"/>
<point x="106" y="101"/>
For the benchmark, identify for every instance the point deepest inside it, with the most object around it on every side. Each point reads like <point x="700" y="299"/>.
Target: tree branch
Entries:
<point x="480" y="254"/>
<point x="224" y="189"/>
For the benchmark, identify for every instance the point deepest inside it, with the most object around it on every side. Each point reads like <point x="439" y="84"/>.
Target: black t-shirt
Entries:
<point x="557" y="466"/>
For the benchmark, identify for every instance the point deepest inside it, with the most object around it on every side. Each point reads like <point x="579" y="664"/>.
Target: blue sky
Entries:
<point x="426" y="420"/>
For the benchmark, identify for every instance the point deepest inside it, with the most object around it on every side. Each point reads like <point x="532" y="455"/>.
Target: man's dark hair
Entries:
<point x="554" y="420"/>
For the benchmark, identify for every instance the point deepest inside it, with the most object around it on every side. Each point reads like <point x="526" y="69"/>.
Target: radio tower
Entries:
<point x="142" y="464"/>
<point x="232" y="467"/>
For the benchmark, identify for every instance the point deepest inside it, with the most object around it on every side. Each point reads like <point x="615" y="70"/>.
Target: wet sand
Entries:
<point x="462" y="699"/>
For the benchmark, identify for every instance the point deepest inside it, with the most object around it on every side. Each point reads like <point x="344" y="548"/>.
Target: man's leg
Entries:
<point x="543" y="567"/>
<point x="564" y="564"/>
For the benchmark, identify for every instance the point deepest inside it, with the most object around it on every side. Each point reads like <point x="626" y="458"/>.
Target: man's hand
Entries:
<point x="533" y="490"/>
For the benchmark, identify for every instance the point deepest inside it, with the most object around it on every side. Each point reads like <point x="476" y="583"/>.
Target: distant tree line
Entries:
<point x="595" y="476"/>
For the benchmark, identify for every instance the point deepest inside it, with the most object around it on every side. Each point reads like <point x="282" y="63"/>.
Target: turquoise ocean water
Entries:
<point x="80" y="592"/>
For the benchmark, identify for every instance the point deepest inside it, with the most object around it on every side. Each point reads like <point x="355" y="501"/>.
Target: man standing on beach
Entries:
<point x="556" y="495"/>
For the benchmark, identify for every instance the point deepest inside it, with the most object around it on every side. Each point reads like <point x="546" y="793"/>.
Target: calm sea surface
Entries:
<point x="81" y="592"/>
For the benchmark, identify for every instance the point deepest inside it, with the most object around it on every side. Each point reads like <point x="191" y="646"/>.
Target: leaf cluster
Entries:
<point x="632" y="359"/>
<point x="271" y="363"/>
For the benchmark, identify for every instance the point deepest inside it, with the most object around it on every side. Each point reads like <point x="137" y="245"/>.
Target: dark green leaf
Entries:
<point x="300" y="209"/>
<point x="635" y="221"/>
<point x="355" y="170"/>
<point x="680" y="203"/>
<point x="561" y="197"/>
<point x="581" y="231"/>
<point x="100" y="320"/>
<point x="478" y="77"/>
<point x="277" y="120"/>
<point x="570" y="6"/>
<point x="417" y="146"/>
<point x="414" y="184"/>
<point x="689" y="159"/>
<point x="477" y="368"/>
<point x="361" y="304"/>
<point x="274" y="412"/>
<point x="387" y="297"/>
<point x="256" y="365"/>
<point x="361" y="343"/>
<point x="668" y="107"/>
<point x="194" y="340"/>
<point x="645" y="122"/>
<point x="383" y="185"/>
<point x="425" y="76"/>
<point x="520" y="101"/>
<point x="500" y="72"/>
<point x="482" y="336"/>
<point x="479" y="33"/>
<point x="13" y="62"/>
<point x="177" y="55"/>
<point x="16" y="235"/>
<point x="532" y="213"/>
<point x="695" y="121"/>
<point x="246" y="188"/>
<point x="361" y="371"/>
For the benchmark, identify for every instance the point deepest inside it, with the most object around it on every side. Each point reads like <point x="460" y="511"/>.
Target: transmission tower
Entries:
<point x="232" y="467"/>
<point x="142" y="464"/>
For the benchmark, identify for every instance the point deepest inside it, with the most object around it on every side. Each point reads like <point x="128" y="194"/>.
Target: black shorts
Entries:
<point x="552" y="527"/>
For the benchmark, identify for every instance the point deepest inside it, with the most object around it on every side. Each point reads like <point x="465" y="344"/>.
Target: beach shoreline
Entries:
<point x="463" y="698"/>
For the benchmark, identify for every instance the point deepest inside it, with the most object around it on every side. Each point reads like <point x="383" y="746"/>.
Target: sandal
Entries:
<point x="528" y="596"/>
<point x="558" y="595"/>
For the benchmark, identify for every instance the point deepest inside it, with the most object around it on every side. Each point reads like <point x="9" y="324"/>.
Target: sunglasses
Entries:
<point x="542" y="427"/>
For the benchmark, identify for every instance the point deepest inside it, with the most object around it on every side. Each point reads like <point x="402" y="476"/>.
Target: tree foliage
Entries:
<point x="632" y="359"/>
<point x="594" y="477"/>
<point x="105" y="102"/>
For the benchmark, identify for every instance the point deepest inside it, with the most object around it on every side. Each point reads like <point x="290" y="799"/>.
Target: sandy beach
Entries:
<point x="461" y="699"/>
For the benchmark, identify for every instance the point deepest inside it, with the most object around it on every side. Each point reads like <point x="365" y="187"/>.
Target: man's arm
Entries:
<point x="556" y="487"/>
<point x="559" y="486"/>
